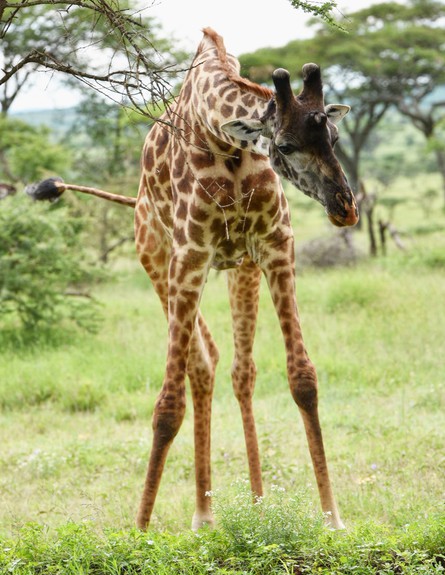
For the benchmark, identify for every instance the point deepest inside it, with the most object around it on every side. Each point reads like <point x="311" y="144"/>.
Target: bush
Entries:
<point x="43" y="267"/>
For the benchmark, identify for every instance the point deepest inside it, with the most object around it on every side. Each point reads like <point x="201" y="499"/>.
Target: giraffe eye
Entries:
<point x="286" y="149"/>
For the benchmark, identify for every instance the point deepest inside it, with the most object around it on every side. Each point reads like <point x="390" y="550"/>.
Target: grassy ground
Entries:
<point x="75" y="423"/>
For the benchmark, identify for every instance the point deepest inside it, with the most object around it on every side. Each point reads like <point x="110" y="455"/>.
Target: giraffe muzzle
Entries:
<point x="349" y="215"/>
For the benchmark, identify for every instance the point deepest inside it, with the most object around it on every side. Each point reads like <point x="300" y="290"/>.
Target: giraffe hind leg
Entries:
<point x="244" y="284"/>
<point x="154" y="251"/>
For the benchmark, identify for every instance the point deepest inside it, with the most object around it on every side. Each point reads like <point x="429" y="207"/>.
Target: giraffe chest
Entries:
<point x="230" y="220"/>
<point x="226" y="204"/>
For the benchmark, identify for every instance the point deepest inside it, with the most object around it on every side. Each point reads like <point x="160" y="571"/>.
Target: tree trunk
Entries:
<point x="440" y="155"/>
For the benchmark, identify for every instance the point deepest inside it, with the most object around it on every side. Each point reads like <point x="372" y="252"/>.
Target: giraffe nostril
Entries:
<point x="339" y="198"/>
<point x="342" y="202"/>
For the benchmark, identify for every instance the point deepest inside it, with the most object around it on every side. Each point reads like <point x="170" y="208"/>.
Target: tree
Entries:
<point x="26" y="152"/>
<point x="138" y="65"/>
<point x="407" y="65"/>
<point x="111" y="139"/>
<point x="429" y="118"/>
<point x="103" y="43"/>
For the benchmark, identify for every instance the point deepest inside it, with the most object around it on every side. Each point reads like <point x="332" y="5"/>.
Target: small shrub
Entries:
<point x="43" y="267"/>
<point x="279" y="521"/>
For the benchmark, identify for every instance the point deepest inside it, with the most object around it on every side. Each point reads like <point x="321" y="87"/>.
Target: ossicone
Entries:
<point x="312" y="84"/>
<point x="281" y="80"/>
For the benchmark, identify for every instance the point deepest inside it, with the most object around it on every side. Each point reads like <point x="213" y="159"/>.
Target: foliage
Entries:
<point x="368" y="549"/>
<point x="26" y="152"/>
<point x="106" y="145"/>
<point x="277" y="522"/>
<point x="321" y="9"/>
<point x="107" y="140"/>
<point x="41" y="262"/>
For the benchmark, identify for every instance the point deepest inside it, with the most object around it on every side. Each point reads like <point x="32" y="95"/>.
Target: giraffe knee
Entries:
<point x="304" y="387"/>
<point x="168" y="415"/>
<point x="202" y="380"/>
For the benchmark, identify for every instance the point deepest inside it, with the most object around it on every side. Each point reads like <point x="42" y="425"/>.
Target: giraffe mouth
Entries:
<point x="350" y="218"/>
<point x="340" y="222"/>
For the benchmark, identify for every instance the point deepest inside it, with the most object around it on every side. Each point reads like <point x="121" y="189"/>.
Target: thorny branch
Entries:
<point x="138" y="79"/>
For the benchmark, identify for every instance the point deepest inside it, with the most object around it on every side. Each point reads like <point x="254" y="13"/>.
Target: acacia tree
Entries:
<point x="401" y="51"/>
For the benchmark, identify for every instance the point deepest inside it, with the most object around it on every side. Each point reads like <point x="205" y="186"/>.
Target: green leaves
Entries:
<point x="27" y="153"/>
<point x="41" y="263"/>
<point x="323" y="10"/>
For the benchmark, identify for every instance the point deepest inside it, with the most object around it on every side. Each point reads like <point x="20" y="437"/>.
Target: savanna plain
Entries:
<point x="75" y="427"/>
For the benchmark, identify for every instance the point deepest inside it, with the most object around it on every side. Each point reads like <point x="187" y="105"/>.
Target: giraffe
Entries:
<point x="210" y="197"/>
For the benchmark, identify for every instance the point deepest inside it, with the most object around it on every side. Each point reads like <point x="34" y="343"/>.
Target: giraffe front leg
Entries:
<point x="184" y="290"/>
<point x="301" y="372"/>
<point x="202" y="362"/>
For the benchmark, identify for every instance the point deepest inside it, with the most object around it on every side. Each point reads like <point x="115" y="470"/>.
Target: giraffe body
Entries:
<point x="210" y="196"/>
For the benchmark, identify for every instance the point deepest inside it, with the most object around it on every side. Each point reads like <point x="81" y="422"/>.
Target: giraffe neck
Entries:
<point x="214" y="93"/>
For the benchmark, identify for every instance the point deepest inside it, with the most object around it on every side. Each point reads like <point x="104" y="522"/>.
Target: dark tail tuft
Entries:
<point x="45" y="190"/>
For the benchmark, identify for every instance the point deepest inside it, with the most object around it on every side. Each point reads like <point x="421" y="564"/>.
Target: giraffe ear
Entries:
<point x="246" y="130"/>
<point x="336" y="112"/>
<point x="249" y="131"/>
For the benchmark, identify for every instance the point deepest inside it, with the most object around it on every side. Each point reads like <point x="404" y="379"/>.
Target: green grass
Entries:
<point x="280" y="534"/>
<point x="75" y="430"/>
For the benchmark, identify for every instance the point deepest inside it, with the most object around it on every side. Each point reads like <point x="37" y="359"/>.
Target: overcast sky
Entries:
<point x="246" y="25"/>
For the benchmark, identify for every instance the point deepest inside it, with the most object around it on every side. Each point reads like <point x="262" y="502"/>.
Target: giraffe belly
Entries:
<point x="230" y="252"/>
<point x="226" y="264"/>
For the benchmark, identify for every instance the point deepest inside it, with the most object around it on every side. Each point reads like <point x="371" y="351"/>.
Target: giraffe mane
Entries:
<point x="232" y="75"/>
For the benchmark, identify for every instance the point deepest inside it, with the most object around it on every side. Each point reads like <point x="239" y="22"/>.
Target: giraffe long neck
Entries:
<point x="214" y="93"/>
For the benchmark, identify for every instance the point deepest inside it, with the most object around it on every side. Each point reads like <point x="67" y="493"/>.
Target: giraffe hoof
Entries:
<point x="333" y="522"/>
<point x="202" y="520"/>
<point x="141" y="522"/>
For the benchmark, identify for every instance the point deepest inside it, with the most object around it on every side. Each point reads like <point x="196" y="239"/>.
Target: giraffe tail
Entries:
<point x="52" y="188"/>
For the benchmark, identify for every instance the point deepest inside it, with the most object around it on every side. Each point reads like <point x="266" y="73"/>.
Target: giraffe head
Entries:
<point x="298" y="133"/>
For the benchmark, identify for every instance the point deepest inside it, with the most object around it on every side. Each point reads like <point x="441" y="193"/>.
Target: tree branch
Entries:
<point x="122" y="32"/>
